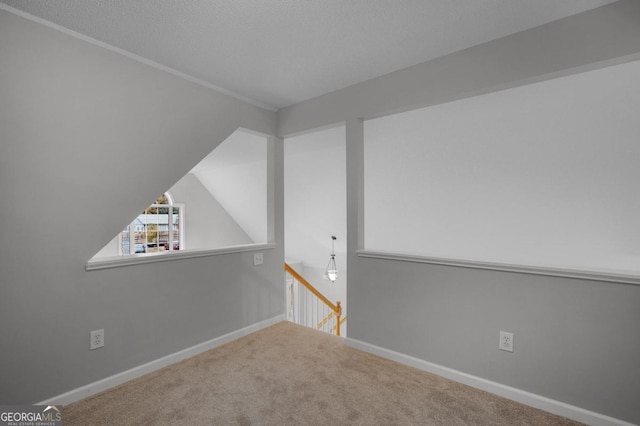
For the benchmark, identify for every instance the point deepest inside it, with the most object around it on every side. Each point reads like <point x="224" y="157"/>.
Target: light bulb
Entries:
<point x="332" y="269"/>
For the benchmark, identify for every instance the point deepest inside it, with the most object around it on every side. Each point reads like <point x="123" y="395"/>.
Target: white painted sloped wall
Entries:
<point x="224" y="196"/>
<point x="315" y="206"/>
<point x="207" y="224"/>
<point x="235" y="173"/>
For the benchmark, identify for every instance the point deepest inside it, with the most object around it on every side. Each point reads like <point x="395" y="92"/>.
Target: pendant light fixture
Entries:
<point x="332" y="269"/>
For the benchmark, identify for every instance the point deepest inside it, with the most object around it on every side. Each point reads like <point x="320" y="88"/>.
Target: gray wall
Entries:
<point x="75" y="121"/>
<point x="576" y="341"/>
<point x="79" y="126"/>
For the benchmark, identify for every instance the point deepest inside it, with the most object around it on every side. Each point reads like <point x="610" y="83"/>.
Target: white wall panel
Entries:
<point x="544" y="175"/>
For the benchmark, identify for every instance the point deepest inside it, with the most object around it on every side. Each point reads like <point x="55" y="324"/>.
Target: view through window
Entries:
<point x="157" y="229"/>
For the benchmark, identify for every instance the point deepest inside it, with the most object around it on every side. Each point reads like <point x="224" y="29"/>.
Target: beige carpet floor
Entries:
<point x="290" y="375"/>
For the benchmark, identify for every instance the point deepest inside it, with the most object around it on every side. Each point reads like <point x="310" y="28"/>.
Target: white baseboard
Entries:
<point x="117" y="379"/>
<point x="533" y="400"/>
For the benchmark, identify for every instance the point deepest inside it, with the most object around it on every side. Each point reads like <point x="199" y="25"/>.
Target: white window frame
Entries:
<point x="170" y="238"/>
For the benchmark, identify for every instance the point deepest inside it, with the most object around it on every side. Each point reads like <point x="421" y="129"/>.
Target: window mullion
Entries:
<point x="132" y="238"/>
<point x="170" y="227"/>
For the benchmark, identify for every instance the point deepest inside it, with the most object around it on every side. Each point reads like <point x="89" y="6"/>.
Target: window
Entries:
<point x="159" y="228"/>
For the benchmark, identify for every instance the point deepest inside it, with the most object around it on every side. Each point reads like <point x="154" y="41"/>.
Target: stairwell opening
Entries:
<point x="315" y="209"/>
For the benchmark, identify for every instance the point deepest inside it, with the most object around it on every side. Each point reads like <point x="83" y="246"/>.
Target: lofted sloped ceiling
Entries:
<point x="277" y="53"/>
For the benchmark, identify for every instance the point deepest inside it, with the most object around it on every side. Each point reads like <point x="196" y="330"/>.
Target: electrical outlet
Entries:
<point x="258" y="259"/>
<point x="97" y="339"/>
<point x="506" y="341"/>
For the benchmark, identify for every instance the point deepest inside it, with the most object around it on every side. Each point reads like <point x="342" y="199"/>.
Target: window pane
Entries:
<point x="125" y="243"/>
<point x="163" y="230"/>
<point x="139" y="235"/>
<point x="155" y="230"/>
<point x="176" y="229"/>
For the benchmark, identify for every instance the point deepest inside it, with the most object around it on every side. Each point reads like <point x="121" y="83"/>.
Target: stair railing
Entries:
<point x="321" y="325"/>
<point x="314" y="309"/>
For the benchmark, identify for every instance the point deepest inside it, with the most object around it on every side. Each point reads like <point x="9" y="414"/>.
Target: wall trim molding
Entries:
<point x="593" y="275"/>
<point x="124" y="376"/>
<point x="514" y="394"/>
<point x="138" y="259"/>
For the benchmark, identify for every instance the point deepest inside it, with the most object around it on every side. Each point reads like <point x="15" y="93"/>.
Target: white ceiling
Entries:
<point x="278" y="53"/>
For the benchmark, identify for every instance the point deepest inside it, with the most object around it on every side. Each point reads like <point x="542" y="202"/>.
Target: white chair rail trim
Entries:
<point x="137" y="259"/>
<point x="592" y="275"/>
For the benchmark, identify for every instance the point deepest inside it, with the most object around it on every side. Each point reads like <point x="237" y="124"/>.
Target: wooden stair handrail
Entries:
<point x="311" y="288"/>
<point x="337" y="308"/>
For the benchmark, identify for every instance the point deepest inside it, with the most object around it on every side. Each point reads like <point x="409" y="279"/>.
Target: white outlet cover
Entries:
<point x="97" y="339"/>
<point x="506" y="341"/>
<point x="258" y="259"/>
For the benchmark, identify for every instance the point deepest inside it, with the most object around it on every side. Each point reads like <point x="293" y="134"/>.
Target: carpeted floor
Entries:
<point x="290" y="375"/>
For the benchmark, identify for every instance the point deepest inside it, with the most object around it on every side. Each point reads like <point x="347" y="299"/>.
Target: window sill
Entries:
<point x="138" y="259"/>
<point x="592" y="275"/>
